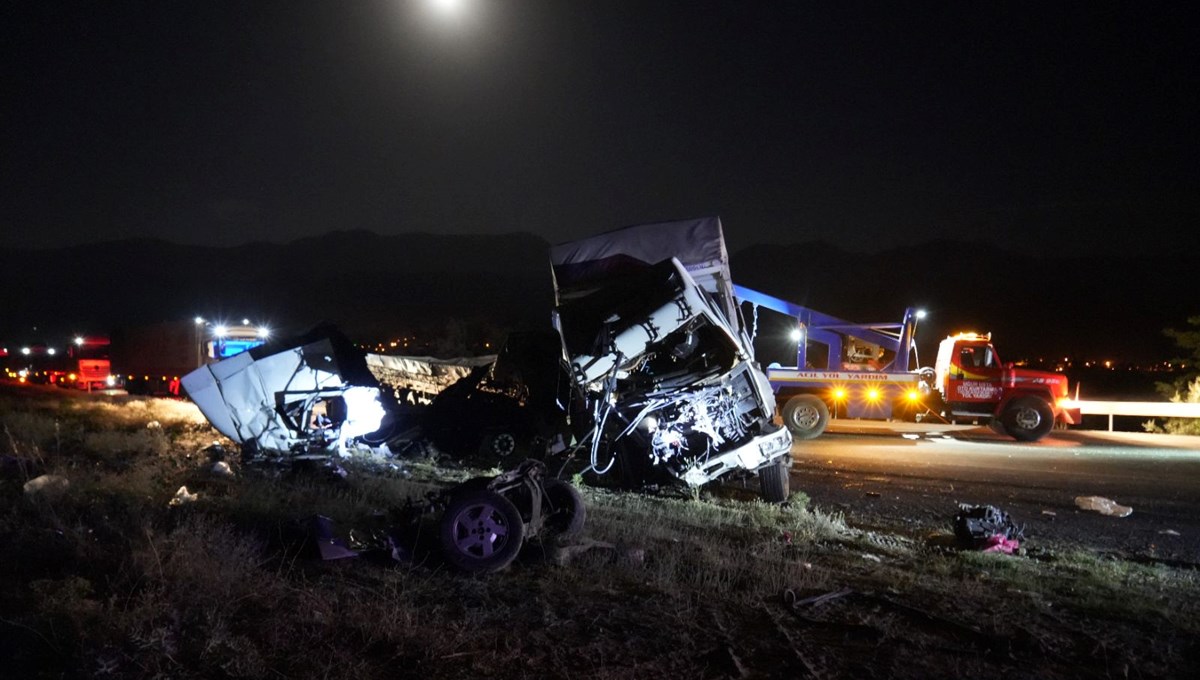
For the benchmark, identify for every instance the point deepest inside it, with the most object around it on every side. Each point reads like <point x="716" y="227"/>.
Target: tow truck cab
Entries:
<point x="974" y="383"/>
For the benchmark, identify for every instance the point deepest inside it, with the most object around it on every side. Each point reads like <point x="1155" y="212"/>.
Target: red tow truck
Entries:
<point x="863" y="371"/>
<point x="972" y="382"/>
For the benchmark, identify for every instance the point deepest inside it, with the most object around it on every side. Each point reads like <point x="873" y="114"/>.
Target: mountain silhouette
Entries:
<point x="375" y="286"/>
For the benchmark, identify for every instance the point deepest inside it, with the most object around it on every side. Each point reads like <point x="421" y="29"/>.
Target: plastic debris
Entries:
<point x="1169" y="532"/>
<point x="999" y="544"/>
<point x="222" y="469"/>
<point x="153" y="425"/>
<point x="320" y="529"/>
<point x="1104" y="506"/>
<point x="47" y="486"/>
<point x="987" y="528"/>
<point x="182" y="496"/>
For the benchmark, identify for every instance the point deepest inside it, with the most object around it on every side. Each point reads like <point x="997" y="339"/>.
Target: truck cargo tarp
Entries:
<point x="699" y="244"/>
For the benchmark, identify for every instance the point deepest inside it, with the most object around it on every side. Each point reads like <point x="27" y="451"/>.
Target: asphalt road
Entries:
<point x="912" y="477"/>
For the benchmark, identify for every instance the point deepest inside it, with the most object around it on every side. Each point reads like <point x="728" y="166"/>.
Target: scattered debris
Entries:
<point x="873" y="494"/>
<point x="562" y="555"/>
<point x="47" y="486"/>
<point x="1000" y="544"/>
<point x="320" y="529"/>
<point x="222" y="469"/>
<point x="986" y="528"/>
<point x="1050" y="513"/>
<point x="182" y="497"/>
<point x="789" y="598"/>
<point x="216" y="452"/>
<point x="153" y="425"/>
<point x="1102" y="505"/>
<point x="873" y="558"/>
<point x="1169" y="532"/>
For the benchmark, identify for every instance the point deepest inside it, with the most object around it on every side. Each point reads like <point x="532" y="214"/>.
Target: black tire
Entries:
<point x="806" y="416"/>
<point x="774" y="481"/>
<point x="499" y="445"/>
<point x="1027" y="419"/>
<point x="564" y="513"/>
<point x="481" y="531"/>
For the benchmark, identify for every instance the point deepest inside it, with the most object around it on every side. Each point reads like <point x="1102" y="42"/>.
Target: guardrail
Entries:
<point x="1145" y="409"/>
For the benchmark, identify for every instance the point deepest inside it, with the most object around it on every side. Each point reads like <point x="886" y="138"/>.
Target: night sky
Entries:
<point x="1067" y="129"/>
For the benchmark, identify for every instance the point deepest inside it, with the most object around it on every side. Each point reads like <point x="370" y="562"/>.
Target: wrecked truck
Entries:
<point x="313" y="397"/>
<point x="653" y="346"/>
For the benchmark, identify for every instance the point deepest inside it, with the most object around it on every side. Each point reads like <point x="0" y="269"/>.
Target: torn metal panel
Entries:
<point x="312" y="395"/>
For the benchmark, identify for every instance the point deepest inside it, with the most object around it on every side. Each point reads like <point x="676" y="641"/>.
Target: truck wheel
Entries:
<point x="774" y="481"/>
<point x="806" y="415"/>
<point x="1028" y="419"/>
<point x="498" y="445"/>
<point x="481" y="531"/>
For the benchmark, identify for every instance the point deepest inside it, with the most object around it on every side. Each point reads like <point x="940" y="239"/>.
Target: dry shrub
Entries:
<point x="29" y="434"/>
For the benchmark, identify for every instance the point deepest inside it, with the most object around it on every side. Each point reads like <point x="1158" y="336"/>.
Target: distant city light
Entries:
<point x="50" y="351"/>
<point x="199" y="320"/>
<point x="264" y="332"/>
<point x="78" y="340"/>
<point x="25" y="351"/>
<point x="245" y="322"/>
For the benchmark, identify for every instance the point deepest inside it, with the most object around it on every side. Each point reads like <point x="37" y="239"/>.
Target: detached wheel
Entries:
<point x="806" y="416"/>
<point x="563" y="510"/>
<point x="1027" y="419"/>
<point x="481" y="531"/>
<point x="774" y="481"/>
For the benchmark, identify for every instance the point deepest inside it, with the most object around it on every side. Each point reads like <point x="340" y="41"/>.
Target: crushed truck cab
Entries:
<point x="667" y="381"/>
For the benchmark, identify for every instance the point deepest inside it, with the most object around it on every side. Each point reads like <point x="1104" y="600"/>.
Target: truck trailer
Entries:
<point x="151" y="359"/>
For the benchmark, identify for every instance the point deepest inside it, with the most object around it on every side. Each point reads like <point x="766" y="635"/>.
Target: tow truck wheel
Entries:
<point x="481" y="531"/>
<point x="806" y="416"/>
<point x="1028" y="419"/>
<point x="774" y="481"/>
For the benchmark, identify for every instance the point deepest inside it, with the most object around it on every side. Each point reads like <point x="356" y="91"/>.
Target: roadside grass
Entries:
<point x="109" y="580"/>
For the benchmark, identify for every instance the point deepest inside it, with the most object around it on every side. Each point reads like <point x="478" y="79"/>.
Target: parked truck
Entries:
<point x="151" y="359"/>
<point x="88" y="365"/>
<point x="870" y="371"/>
